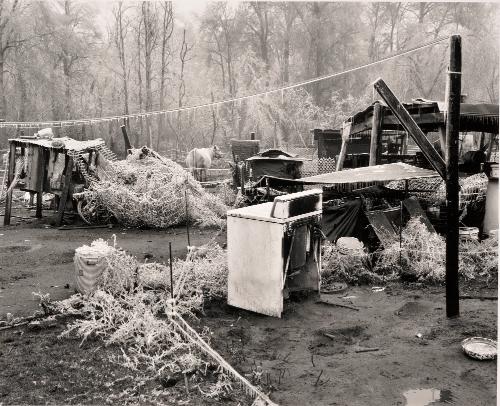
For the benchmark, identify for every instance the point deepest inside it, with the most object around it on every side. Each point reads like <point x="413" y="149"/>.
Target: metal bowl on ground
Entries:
<point x="480" y="348"/>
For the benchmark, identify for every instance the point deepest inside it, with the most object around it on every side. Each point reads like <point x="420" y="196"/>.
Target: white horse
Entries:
<point x="198" y="160"/>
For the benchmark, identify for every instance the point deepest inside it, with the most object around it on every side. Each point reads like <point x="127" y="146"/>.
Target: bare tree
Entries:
<point x="120" y="34"/>
<point x="8" y="41"/>
<point x="166" y="51"/>
<point x="261" y="30"/>
<point x="183" y="57"/>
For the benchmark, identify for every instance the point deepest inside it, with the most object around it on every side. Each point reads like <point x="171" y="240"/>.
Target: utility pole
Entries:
<point x="452" y="185"/>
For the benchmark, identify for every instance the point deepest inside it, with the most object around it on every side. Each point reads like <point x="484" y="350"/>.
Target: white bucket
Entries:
<point x="90" y="263"/>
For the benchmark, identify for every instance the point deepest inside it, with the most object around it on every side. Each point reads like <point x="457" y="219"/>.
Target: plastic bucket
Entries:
<point x="88" y="267"/>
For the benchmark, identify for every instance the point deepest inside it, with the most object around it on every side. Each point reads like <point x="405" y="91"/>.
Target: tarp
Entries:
<point x="341" y="220"/>
<point x="367" y="174"/>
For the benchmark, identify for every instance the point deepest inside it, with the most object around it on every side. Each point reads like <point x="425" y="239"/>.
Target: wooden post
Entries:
<point x="411" y="126"/>
<point x="404" y="146"/>
<point x="65" y="191"/>
<point x="442" y="140"/>
<point x="481" y="141"/>
<point x="376" y="132"/>
<point x="452" y="185"/>
<point x="41" y="182"/>
<point x="10" y="178"/>
<point x="342" y="155"/>
<point x="275" y="136"/>
<point x="490" y="147"/>
<point x="125" y="138"/>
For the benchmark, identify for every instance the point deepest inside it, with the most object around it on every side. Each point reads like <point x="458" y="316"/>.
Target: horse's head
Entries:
<point x="217" y="152"/>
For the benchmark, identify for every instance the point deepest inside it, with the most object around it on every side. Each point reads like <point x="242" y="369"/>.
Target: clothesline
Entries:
<point x="282" y="89"/>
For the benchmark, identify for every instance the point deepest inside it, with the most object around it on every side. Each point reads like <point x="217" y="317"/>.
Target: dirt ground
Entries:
<point x="300" y="365"/>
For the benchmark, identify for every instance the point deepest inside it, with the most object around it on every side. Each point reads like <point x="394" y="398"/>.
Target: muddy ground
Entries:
<point x="300" y="365"/>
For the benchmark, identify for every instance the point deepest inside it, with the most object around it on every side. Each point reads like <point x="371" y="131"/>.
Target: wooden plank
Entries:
<point x="65" y="192"/>
<point x="415" y="210"/>
<point x="126" y="139"/>
<point x="426" y="121"/>
<point x="41" y="181"/>
<point x="10" y="178"/>
<point x="376" y="133"/>
<point x="442" y="140"/>
<point x="342" y="155"/>
<point x="452" y="185"/>
<point x="382" y="226"/>
<point x="411" y="127"/>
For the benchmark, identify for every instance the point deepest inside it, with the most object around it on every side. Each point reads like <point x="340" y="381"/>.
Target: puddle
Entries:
<point x="423" y="397"/>
<point x="19" y="248"/>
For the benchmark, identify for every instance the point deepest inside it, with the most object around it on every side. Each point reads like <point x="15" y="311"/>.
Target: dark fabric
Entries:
<point x="275" y="169"/>
<point x="340" y="221"/>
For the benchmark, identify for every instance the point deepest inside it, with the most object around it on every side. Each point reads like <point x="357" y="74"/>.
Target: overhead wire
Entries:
<point x="65" y="123"/>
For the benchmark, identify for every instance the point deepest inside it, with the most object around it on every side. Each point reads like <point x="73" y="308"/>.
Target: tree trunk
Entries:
<point x="167" y="29"/>
<point x="139" y="77"/>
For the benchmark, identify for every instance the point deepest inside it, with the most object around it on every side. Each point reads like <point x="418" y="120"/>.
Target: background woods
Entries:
<point x="69" y="60"/>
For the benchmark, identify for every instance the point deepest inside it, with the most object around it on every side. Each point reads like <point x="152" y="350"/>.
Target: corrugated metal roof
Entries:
<point x="69" y="143"/>
<point x="377" y="173"/>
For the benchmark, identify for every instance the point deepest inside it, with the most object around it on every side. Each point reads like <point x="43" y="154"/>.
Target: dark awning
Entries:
<point x="430" y="116"/>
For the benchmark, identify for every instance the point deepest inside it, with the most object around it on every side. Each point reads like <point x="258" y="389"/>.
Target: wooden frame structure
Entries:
<point x="38" y="152"/>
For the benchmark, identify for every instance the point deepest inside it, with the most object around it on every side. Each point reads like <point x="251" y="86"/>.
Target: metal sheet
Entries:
<point x="415" y="210"/>
<point x="382" y="227"/>
<point x="256" y="264"/>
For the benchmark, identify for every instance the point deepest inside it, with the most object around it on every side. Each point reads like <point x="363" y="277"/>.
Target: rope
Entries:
<point x="67" y="123"/>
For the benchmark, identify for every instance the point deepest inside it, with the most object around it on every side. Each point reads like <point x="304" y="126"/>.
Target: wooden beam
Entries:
<point x="342" y="155"/>
<point x="65" y="191"/>
<point x="409" y="125"/>
<point x="10" y="178"/>
<point x="452" y="185"/>
<point x="404" y="144"/>
<point x="442" y="140"/>
<point x="376" y="133"/>
<point x="41" y="182"/>
<point x="490" y="147"/>
<point x="125" y="139"/>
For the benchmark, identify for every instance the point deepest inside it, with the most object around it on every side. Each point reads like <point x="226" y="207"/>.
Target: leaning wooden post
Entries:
<point x="411" y="126"/>
<point x="452" y="185"/>
<point x="125" y="138"/>
<point x="346" y="131"/>
<point x="376" y="133"/>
